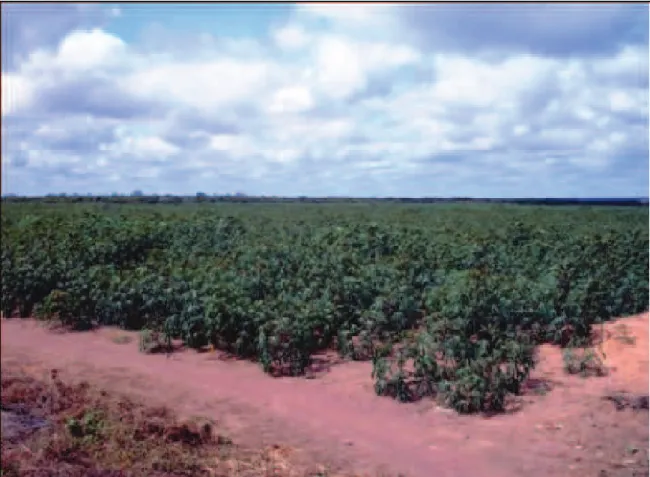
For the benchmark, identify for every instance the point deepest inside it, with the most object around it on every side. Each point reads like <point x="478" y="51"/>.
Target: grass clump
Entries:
<point x="584" y="361"/>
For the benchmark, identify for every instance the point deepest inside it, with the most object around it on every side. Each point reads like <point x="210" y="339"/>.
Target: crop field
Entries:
<point x="446" y="299"/>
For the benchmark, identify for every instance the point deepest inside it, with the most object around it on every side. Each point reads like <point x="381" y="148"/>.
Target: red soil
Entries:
<point x="568" y="431"/>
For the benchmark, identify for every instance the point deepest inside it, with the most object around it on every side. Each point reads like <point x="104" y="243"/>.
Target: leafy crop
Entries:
<point x="446" y="300"/>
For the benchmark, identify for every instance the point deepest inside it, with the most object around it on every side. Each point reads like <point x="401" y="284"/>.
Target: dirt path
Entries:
<point x="336" y="418"/>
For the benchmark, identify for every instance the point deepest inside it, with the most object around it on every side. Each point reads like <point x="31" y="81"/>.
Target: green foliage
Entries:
<point x="88" y="428"/>
<point x="447" y="300"/>
<point x="150" y="342"/>
<point x="583" y="361"/>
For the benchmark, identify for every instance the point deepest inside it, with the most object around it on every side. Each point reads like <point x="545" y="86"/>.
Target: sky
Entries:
<point x="438" y="100"/>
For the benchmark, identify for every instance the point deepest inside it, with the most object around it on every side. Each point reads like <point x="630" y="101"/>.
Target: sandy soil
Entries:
<point x="563" y="425"/>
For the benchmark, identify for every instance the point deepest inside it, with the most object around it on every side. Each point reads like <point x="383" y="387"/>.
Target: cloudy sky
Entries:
<point x="362" y="100"/>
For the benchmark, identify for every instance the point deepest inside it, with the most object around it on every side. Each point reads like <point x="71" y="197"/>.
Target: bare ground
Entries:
<point x="563" y="426"/>
<point x="51" y="428"/>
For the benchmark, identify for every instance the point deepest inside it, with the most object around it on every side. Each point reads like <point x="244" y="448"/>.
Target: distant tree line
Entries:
<point x="138" y="197"/>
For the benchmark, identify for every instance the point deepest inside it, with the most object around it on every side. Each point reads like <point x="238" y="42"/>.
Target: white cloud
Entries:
<point x="202" y="85"/>
<point x="81" y="52"/>
<point x="467" y="81"/>
<point x="291" y="37"/>
<point x="630" y="65"/>
<point x="17" y="93"/>
<point x="141" y="147"/>
<point x="339" y="68"/>
<point x="344" y="66"/>
<point x="621" y="101"/>
<point x="292" y="99"/>
<point x="329" y="104"/>
<point x="228" y="143"/>
<point x="50" y="131"/>
<point x="352" y="15"/>
<point x="84" y="50"/>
